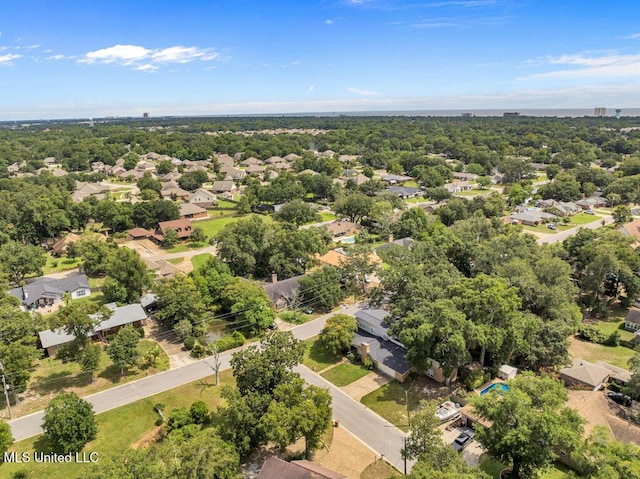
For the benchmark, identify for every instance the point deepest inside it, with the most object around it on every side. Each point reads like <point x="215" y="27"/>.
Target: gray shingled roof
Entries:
<point x="633" y="316"/>
<point x="386" y="352"/>
<point x="47" y="287"/>
<point x="373" y="316"/>
<point x="282" y="289"/>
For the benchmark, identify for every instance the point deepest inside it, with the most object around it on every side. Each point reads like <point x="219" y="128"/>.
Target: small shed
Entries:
<point x="507" y="372"/>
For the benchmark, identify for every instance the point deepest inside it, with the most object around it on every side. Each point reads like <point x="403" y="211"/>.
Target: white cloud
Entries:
<point x="312" y="87"/>
<point x="359" y="91"/>
<point x="610" y="65"/>
<point x="32" y="47"/>
<point x="328" y="21"/>
<point x="59" y="57"/>
<point x="145" y="59"/>
<point x="7" y="60"/>
<point x="633" y="36"/>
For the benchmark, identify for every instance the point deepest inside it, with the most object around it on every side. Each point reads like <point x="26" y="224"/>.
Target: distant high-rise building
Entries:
<point x="467" y="115"/>
<point x="618" y="113"/>
<point x="511" y="114"/>
<point x="145" y="115"/>
<point x="600" y="111"/>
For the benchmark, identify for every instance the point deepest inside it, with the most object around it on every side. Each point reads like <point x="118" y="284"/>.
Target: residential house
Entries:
<point x="50" y="160"/>
<point x="191" y="211"/>
<point x="459" y="175"/>
<point x="281" y="292"/>
<point x="405" y="192"/>
<point x="98" y="166"/>
<point x="276" y="468"/>
<point x="347" y="158"/>
<point x="226" y="186"/>
<point x="59" y="248"/>
<point x="584" y="375"/>
<point x="233" y="173"/>
<point x="182" y="227"/>
<point x="372" y="341"/>
<point x="84" y="190"/>
<point x="171" y="176"/>
<point x="631" y="229"/>
<point x="171" y="189"/>
<point x="309" y="172"/>
<point x="562" y="208"/>
<point x="203" y="198"/>
<point x="326" y="154"/>
<point x="224" y="160"/>
<point x="139" y="233"/>
<point x="14" y="168"/>
<point x="591" y="202"/>
<point x="340" y="228"/>
<point x="251" y="161"/>
<point x="632" y="320"/>
<point x="404" y="242"/>
<point x="272" y="160"/>
<point x="46" y="291"/>
<point x="131" y="314"/>
<point x="334" y="257"/>
<point x="530" y="217"/>
<point x="161" y="269"/>
<point x="618" y="375"/>
<point x="283" y="165"/>
<point x="458" y="186"/>
<point x="395" y="179"/>
<point x="292" y="157"/>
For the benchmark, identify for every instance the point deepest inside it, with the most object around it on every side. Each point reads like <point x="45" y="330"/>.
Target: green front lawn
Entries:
<point x="63" y="263"/>
<point x="471" y="192"/>
<point x="123" y="427"/>
<point x="213" y="226"/>
<point x="200" y="259"/>
<point x="544" y="229"/>
<point x="583" y="219"/>
<point x="51" y="376"/>
<point x="616" y="355"/>
<point x="557" y="471"/>
<point x="300" y="317"/>
<point x="175" y="260"/>
<point x="345" y="373"/>
<point x="389" y="401"/>
<point x="316" y="357"/>
<point x="328" y="216"/>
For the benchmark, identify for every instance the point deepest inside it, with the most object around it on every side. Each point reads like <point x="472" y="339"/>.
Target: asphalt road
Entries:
<point x="563" y="235"/>
<point x="29" y="426"/>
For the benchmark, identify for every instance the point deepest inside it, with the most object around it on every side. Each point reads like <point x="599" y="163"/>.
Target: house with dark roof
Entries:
<point x="183" y="227"/>
<point x="395" y="179"/>
<point x="632" y="320"/>
<point x="404" y="242"/>
<point x="281" y="292"/>
<point x="405" y="192"/>
<point x="130" y="314"/>
<point x="276" y="468"/>
<point x="592" y="202"/>
<point x="46" y="291"/>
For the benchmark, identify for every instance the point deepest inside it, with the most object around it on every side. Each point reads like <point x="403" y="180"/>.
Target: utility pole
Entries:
<point x="404" y="443"/>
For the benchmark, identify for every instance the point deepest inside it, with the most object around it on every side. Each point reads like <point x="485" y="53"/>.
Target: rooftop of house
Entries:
<point x="633" y="316"/>
<point x="283" y="288"/>
<point x="48" y="287"/>
<point x="63" y="242"/>
<point x="404" y="190"/>
<point x="388" y="353"/>
<point x="404" y="242"/>
<point x="586" y="372"/>
<point x="631" y="229"/>
<point x="225" y="185"/>
<point x="342" y="226"/>
<point x="374" y="316"/>
<point x="190" y="209"/>
<point x="182" y="227"/>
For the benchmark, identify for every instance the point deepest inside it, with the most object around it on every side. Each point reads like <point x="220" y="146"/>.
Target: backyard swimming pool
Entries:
<point x="500" y="386"/>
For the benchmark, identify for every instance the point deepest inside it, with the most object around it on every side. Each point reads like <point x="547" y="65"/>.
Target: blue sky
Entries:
<point x="77" y="58"/>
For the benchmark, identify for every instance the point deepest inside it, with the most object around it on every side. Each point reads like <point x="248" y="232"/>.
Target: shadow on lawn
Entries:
<point x="59" y="381"/>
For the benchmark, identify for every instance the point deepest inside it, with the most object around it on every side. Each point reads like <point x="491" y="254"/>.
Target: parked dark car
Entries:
<point x="619" y="398"/>
<point x="463" y="440"/>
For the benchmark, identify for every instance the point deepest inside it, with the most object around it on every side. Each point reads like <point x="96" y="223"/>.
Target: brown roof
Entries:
<point x="332" y="258"/>
<point x="586" y="373"/>
<point x="275" y="468"/>
<point x="60" y="245"/>
<point x="631" y="229"/>
<point x="139" y="233"/>
<point x="182" y="227"/>
<point x="339" y="227"/>
<point x="633" y="316"/>
<point x="190" y="209"/>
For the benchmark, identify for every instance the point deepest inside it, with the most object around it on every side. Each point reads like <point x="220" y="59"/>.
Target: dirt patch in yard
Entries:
<point x="348" y="455"/>
<point x="148" y="439"/>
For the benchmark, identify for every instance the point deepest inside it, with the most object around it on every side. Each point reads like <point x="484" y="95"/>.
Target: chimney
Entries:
<point x="390" y="239"/>
<point x="274" y="278"/>
<point x="25" y="295"/>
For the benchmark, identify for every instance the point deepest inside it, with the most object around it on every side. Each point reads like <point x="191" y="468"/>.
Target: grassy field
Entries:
<point x="213" y="226"/>
<point x="316" y="357"/>
<point x="179" y="248"/>
<point x="472" y="192"/>
<point x="345" y="373"/>
<point x="122" y="428"/>
<point x="327" y="216"/>
<point x="52" y="376"/>
<point x="559" y="471"/>
<point x="616" y="355"/>
<point x="379" y="470"/>
<point x="59" y="264"/>
<point x="200" y="259"/>
<point x="389" y="401"/>
<point x="300" y="317"/>
<point x="175" y="260"/>
<point x="583" y="219"/>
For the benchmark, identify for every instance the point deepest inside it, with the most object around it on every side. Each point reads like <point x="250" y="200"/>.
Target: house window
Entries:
<point x="81" y="292"/>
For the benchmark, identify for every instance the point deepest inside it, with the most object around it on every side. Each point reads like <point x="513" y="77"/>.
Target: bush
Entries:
<point x="199" y="412"/>
<point x="179" y="418"/>
<point x="229" y="342"/>
<point x="159" y="422"/>
<point x="351" y="357"/>
<point x="592" y="334"/>
<point x="367" y="363"/>
<point x="198" y="350"/>
<point x="475" y="379"/>
<point x="189" y="343"/>
<point x="613" y="339"/>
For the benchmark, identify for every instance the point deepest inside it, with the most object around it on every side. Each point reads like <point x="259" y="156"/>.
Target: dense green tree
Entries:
<point x="249" y="305"/>
<point x="170" y="238"/>
<point x="127" y="269"/>
<point x="163" y="167"/>
<point x="359" y="264"/>
<point x="338" y="333"/>
<point x="241" y="419"/>
<point x="322" y="288"/>
<point x="179" y="299"/>
<point x="262" y="368"/>
<point x="529" y="422"/>
<point x="298" y="411"/>
<point x="198" y="235"/>
<point x="6" y="438"/>
<point x="192" y="180"/>
<point x="606" y="458"/>
<point x="127" y="464"/>
<point x="90" y="360"/>
<point x="69" y="423"/>
<point x="77" y="319"/>
<point x="147" y="182"/>
<point x="297" y="212"/>
<point x="18" y="260"/>
<point x="123" y="348"/>
<point x="412" y="223"/>
<point x="207" y="456"/>
<point x="211" y="278"/>
<point x="621" y="215"/>
<point x="94" y="253"/>
<point x="354" y="206"/>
